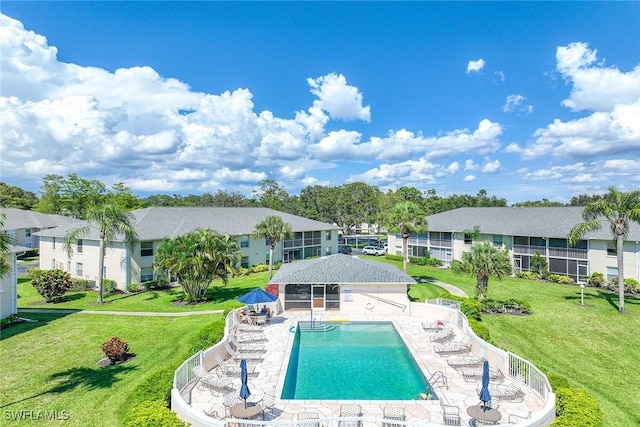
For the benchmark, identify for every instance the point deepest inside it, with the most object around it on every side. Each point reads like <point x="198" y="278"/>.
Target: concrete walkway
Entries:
<point x="118" y="313"/>
<point x="453" y="290"/>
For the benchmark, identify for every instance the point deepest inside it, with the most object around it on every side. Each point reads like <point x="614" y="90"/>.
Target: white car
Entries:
<point x="374" y="250"/>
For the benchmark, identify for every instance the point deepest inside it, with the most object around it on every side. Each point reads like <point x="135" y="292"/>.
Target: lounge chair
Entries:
<point x="249" y="347"/>
<point x="393" y="413"/>
<point x="350" y="411"/>
<point x="517" y="419"/>
<point x="247" y="336"/>
<point x="477" y="359"/>
<point x="212" y="382"/>
<point x="247" y="355"/>
<point x="450" y="415"/>
<point x="461" y="346"/>
<point x="474" y="373"/>
<point x="230" y="368"/>
<point x="431" y="325"/>
<point x="512" y="391"/>
<point x="443" y="334"/>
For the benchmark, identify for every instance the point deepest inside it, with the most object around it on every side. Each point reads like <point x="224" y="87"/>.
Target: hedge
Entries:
<point x="575" y="407"/>
<point x="154" y="413"/>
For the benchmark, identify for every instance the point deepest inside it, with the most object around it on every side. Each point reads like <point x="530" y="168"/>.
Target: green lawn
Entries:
<point x="51" y="365"/>
<point x="221" y="297"/>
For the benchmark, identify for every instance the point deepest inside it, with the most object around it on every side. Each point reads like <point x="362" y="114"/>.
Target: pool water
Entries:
<point x="355" y="361"/>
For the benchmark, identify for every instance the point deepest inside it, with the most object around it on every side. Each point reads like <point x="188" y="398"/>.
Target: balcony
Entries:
<point x="571" y="253"/>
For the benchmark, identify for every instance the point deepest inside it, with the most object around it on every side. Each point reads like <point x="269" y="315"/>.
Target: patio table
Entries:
<point x="245" y="412"/>
<point x="484" y="413"/>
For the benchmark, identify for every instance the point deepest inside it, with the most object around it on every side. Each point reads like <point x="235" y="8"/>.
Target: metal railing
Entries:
<point x="533" y="377"/>
<point x="184" y="374"/>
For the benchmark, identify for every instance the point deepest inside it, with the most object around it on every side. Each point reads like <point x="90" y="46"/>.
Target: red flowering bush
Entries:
<point x="115" y="349"/>
<point x="273" y="289"/>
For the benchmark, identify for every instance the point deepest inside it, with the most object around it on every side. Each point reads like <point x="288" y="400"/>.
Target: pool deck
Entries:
<point x="271" y="372"/>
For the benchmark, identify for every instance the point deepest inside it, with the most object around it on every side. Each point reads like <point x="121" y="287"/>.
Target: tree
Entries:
<point x="539" y="264"/>
<point x="111" y="222"/>
<point x="16" y="197"/>
<point x="5" y="241"/>
<point x="406" y="218"/>
<point x="272" y="227"/>
<point x="484" y="260"/>
<point x="196" y="258"/>
<point x="71" y="196"/>
<point x="617" y="209"/>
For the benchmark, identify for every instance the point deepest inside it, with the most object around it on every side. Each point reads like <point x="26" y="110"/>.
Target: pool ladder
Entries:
<point x="438" y="379"/>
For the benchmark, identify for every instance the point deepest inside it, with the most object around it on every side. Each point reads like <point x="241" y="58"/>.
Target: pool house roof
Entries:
<point x="339" y="269"/>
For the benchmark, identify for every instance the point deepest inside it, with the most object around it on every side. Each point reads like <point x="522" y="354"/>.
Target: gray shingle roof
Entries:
<point x="339" y="269"/>
<point x="158" y="223"/>
<point x="552" y="222"/>
<point x="20" y="218"/>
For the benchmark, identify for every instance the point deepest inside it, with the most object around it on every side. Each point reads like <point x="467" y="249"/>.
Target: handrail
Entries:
<point x="438" y="376"/>
<point x="387" y="301"/>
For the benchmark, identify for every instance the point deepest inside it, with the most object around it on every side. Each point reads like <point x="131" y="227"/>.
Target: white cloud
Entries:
<point x="408" y="173"/>
<point x="491" y="166"/>
<point x="469" y="178"/>
<point x="475" y="66"/>
<point x="470" y="165"/>
<point x="514" y="103"/>
<point x="339" y="99"/>
<point x="451" y="169"/>
<point x="512" y="148"/>
<point x="500" y="75"/>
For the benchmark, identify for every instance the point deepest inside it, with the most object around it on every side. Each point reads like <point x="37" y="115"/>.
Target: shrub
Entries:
<point x="108" y="285"/>
<point x="208" y="335"/>
<point x="157" y="284"/>
<point x="511" y="306"/>
<point x="575" y="407"/>
<point x="115" y="349"/>
<point x="78" y="285"/>
<point x="528" y="275"/>
<point x="259" y="268"/>
<point x="393" y="257"/>
<point x="52" y="284"/>
<point x="471" y="308"/>
<point x="154" y="413"/>
<point x="596" y="279"/>
<point x="418" y="260"/>
<point x="631" y="285"/>
<point x="155" y="387"/>
<point x="434" y="262"/>
<point x="241" y="271"/>
<point x="559" y="278"/>
<point x="480" y="330"/>
<point x="273" y="289"/>
<point x="34" y="273"/>
<point x="134" y="287"/>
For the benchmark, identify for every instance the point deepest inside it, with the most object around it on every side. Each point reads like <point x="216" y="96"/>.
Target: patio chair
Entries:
<point x="512" y="391"/>
<point x="308" y="416"/>
<point x="453" y="346"/>
<point x="350" y="411"/>
<point x="229" y="400"/>
<point x="267" y="402"/>
<point x="250" y="347"/>
<point x="211" y="382"/>
<point x="450" y="415"/>
<point x="250" y="335"/>
<point x="477" y="359"/>
<point x="431" y="325"/>
<point x="261" y="319"/>
<point x="247" y="355"/>
<point x="474" y="373"/>
<point x="394" y="413"/>
<point x="517" y="419"/>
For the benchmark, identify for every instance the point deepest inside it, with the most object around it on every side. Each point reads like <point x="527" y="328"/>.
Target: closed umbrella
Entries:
<point x="485" y="396"/>
<point x="257" y="296"/>
<point x="244" y="388"/>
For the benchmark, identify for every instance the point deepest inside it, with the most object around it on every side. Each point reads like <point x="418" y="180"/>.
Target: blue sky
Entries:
<point x="526" y="100"/>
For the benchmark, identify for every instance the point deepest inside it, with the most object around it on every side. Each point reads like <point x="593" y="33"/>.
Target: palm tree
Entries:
<point x="406" y="218"/>
<point x="196" y="258"/>
<point x="111" y="222"/>
<point x="617" y="209"/>
<point x="484" y="260"/>
<point x="274" y="228"/>
<point x="5" y="241"/>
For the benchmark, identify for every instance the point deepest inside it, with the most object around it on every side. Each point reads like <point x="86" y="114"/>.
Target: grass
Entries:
<point x="220" y="297"/>
<point x="51" y="365"/>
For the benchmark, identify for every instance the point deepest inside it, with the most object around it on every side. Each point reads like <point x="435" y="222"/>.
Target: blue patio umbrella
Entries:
<point x="485" y="396"/>
<point x="257" y="296"/>
<point x="244" y="388"/>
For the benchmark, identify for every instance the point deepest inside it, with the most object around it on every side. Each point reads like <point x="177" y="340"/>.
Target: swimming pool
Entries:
<point x="354" y="361"/>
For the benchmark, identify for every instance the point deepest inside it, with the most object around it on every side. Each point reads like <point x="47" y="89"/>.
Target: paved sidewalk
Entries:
<point x="118" y="313"/>
<point x="453" y="290"/>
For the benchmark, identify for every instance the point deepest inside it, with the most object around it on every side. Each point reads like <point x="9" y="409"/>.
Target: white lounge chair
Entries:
<point x="458" y="362"/>
<point x="435" y="324"/>
<point x="239" y="355"/>
<point x="511" y="391"/>
<point x="212" y="382"/>
<point x="230" y="368"/>
<point x="474" y="373"/>
<point x="453" y="346"/>
<point x="445" y="333"/>
<point x="248" y="347"/>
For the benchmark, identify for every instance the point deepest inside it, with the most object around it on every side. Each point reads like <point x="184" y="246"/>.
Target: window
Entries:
<point x="53" y="264"/>
<point x="146" y="274"/>
<point x="54" y="243"/>
<point x="27" y="232"/>
<point x="328" y="235"/>
<point x="468" y="239"/>
<point x="68" y="266"/>
<point x="612" y="272"/>
<point x="497" y="240"/>
<point x="611" y="250"/>
<point x="267" y="242"/>
<point x="79" y="269"/>
<point x="146" y="249"/>
<point x="244" y="241"/>
<point x="80" y="248"/>
<point x="244" y="262"/>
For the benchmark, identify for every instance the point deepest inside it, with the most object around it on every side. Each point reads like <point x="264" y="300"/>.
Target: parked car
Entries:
<point x="344" y="249"/>
<point x="374" y="250"/>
